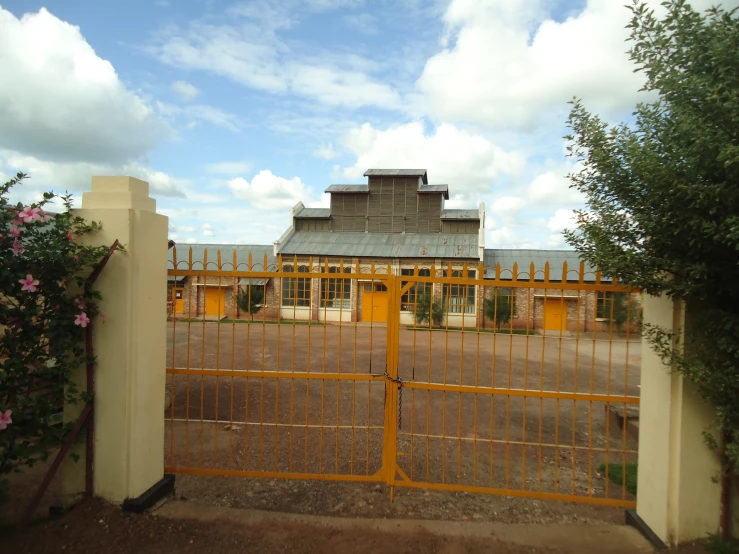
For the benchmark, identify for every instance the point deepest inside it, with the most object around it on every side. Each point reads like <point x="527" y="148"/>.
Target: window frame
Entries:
<point x="336" y="284"/>
<point x="465" y="292"/>
<point x="409" y="299"/>
<point x="603" y="304"/>
<point x="295" y="291"/>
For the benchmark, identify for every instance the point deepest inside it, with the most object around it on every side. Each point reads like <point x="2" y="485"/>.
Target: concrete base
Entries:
<point x="149" y="499"/>
<point x="633" y="519"/>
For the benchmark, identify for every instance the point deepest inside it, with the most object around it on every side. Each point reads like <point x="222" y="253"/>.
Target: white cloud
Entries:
<point x="76" y="176"/>
<point x="507" y="208"/>
<point x="326" y="152"/>
<point x="506" y="64"/>
<point x="186" y="91"/>
<point x="553" y="187"/>
<point x="191" y="240"/>
<point x="252" y="55"/>
<point x="561" y="220"/>
<point x="365" y="23"/>
<point x="208" y="230"/>
<point x="270" y="192"/>
<point x="60" y="101"/>
<point x="467" y="161"/>
<point x="228" y="168"/>
<point x="201" y="112"/>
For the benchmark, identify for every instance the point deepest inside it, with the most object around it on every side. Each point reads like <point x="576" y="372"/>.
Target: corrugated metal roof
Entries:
<point x="397" y="173"/>
<point x="314" y="213"/>
<point x="460" y="214"/>
<point x="351" y="189"/>
<point x="381" y="245"/>
<point x="227" y="256"/>
<point x="435" y="188"/>
<point x="524" y="258"/>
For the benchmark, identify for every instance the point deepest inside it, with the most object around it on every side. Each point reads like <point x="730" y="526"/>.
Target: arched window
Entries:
<point x="336" y="292"/>
<point x="295" y="290"/>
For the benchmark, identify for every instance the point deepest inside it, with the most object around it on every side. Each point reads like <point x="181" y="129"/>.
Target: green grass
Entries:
<point x="474" y="330"/>
<point x="616" y="474"/>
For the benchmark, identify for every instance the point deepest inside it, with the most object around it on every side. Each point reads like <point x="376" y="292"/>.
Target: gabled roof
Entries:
<point x="461" y="214"/>
<point x="435" y="189"/>
<point x="397" y="173"/>
<point x="314" y="213"/>
<point x="348" y="189"/>
<point x="381" y="245"/>
<point x="524" y="258"/>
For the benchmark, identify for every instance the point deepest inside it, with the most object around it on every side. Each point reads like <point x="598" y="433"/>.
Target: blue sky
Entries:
<point x="234" y="111"/>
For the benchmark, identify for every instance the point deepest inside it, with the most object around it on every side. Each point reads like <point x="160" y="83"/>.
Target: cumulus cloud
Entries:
<point x="508" y="64"/>
<point x="60" y="101"/>
<point x="76" y="176"/>
<point x="208" y="230"/>
<point x="327" y="152"/>
<point x="186" y="91"/>
<point x="561" y="220"/>
<point x="270" y="192"/>
<point x="467" y="161"/>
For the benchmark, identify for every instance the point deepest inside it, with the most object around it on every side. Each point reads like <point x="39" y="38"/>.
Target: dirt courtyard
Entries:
<point x="232" y="410"/>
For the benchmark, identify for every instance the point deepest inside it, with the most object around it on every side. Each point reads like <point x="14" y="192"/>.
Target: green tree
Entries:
<point x="663" y="191"/>
<point x="427" y="309"/>
<point x="251" y="300"/>
<point x="500" y="308"/>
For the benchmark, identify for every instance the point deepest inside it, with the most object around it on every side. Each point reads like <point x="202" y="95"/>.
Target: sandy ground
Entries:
<point x="507" y="443"/>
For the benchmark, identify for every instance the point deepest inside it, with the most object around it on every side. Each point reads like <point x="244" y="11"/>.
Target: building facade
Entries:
<point x="396" y="222"/>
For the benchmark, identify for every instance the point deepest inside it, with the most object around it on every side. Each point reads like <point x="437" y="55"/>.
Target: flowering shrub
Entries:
<point x="44" y="308"/>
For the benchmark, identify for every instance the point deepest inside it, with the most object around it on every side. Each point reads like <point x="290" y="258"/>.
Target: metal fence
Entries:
<point x="458" y="377"/>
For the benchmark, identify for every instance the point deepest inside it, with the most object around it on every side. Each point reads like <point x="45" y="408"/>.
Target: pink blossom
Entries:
<point x="29" y="283"/>
<point x="81" y="304"/>
<point x="82" y="320"/>
<point x="55" y="308"/>
<point x="102" y="316"/>
<point x="15" y="231"/>
<point x="29" y="214"/>
<point x="76" y="258"/>
<point x="17" y="220"/>
<point x="44" y="217"/>
<point x="70" y="236"/>
<point x="5" y="419"/>
<point x="17" y="247"/>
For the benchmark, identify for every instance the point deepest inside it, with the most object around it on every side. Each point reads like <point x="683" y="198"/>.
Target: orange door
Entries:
<point x="215" y="301"/>
<point x="374" y="303"/>
<point x="179" y="300"/>
<point x="555" y="314"/>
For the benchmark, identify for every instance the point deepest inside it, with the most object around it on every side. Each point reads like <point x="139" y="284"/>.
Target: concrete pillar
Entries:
<point x="130" y="346"/>
<point x="678" y="496"/>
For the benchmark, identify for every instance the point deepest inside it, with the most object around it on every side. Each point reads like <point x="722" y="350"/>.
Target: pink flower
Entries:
<point x="76" y="258"/>
<point x="44" y="218"/>
<point x="102" y="316"/>
<point x="29" y="214"/>
<point x="17" y="247"/>
<point x="70" y="236"/>
<point x="55" y="308"/>
<point x="15" y="231"/>
<point x="82" y="320"/>
<point x="81" y="304"/>
<point x="29" y="283"/>
<point x="5" y="419"/>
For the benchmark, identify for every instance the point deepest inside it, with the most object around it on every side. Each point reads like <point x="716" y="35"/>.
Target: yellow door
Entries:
<point x="215" y="301"/>
<point x="179" y="300"/>
<point x="374" y="303"/>
<point x="555" y="314"/>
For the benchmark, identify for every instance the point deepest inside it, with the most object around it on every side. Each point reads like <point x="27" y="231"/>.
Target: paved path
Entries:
<point x="570" y="538"/>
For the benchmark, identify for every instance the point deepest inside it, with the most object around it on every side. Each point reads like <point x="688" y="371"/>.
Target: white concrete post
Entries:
<point x="678" y="497"/>
<point x="130" y="345"/>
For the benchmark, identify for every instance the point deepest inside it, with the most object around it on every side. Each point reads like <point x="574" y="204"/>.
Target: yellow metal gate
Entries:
<point x="465" y="388"/>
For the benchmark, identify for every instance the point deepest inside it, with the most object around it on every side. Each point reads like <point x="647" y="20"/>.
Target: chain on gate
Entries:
<point x="399" y="382"/>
